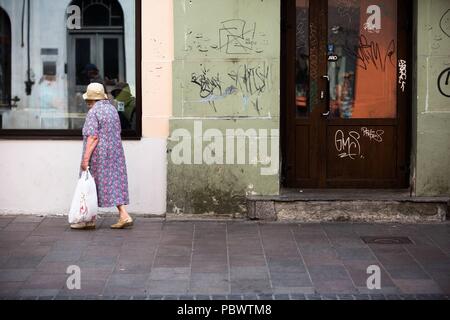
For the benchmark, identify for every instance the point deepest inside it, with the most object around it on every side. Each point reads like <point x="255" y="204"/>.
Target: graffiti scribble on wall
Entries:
<point x="208" y="84"/>
<point x="235" y="36"/>
<point x="211" y="87"/>
<point x="250" y="80"/>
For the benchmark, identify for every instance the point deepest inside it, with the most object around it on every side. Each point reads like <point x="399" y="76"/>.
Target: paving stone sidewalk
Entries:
<point x="226" y="260"/>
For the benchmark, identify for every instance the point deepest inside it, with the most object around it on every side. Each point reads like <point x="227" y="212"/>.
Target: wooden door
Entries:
<point x="346" y="91"/>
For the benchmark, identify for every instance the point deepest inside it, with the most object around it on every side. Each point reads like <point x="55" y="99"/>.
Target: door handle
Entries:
<point x="326" y="95"/>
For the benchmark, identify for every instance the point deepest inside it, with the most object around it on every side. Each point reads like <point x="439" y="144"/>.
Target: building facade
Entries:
<point x="222" y="100"/>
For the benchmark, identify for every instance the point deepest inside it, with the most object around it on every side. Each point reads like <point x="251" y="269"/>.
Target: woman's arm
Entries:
<point x="91" y="144"/>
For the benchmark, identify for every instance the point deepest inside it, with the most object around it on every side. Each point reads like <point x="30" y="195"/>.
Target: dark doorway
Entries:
<point x="5" y="62"/>
<point x="345" y="93"/>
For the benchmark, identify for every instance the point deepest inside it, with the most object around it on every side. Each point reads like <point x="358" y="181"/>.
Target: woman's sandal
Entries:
<point x="122" y="224"/>
<point x="83" y="226"/>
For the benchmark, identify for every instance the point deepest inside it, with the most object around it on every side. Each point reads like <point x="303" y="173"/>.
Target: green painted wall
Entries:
<point x="225" y="77"/>
<point x="432" y="121"/>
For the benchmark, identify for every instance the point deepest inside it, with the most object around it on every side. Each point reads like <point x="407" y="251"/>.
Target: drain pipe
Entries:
<point x="28" y="84"/>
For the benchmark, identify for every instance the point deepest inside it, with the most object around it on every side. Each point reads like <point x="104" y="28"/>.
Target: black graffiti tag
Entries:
<point x="208" y="84"/>
<point x="444" y="83"/>
<point x="252" y="81"/>
<point x="370" y="53"/>
<point x="236" y="38"/>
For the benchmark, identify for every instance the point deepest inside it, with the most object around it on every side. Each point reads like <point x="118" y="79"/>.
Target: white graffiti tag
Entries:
<point x="348" y="147"/>
<point x="402" y="74"/>
<point x="373" y="135"/>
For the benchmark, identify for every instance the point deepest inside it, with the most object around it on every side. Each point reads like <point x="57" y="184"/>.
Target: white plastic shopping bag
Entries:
<point x="84" y="206"/>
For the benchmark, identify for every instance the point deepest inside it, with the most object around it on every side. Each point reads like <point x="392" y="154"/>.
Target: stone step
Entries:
<point x="312" y="206"/>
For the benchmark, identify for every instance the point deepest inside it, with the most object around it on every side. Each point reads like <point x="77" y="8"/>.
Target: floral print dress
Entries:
<point x="107" y="165"/>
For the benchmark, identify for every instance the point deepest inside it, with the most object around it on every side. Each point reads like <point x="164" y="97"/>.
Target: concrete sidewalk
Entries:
<point x="232" y="260"/>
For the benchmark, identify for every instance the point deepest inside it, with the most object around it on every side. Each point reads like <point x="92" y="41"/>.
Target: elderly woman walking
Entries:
<point x="103" y="154"/>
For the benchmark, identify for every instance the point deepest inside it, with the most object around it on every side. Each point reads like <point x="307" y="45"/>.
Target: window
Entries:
<point x="363" y="79"/>
<point x="54" y="61"/>
<point x="101" y="13"/>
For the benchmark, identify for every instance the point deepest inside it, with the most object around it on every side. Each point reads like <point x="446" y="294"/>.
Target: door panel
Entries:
<point x="81" y="52"/>
<point x="360" y="153"/>
<point x="302" y="158"/>
<point x="111" y="60"/>
<point x="345" y="112"/>
<point x="84" y="55"/>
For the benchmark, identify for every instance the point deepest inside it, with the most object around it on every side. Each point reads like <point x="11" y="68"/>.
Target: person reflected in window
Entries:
<point x="126" y="105"/>
<point x="90" y="74"/>
<point x="302" y="83"/>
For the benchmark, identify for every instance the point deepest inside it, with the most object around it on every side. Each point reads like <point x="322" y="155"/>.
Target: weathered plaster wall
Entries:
<point x="157" y="58"/>
<point x="432" y="141"/>
<point x="226" y="76"/>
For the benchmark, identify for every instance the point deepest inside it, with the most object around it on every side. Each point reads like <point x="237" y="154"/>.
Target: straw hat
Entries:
<point x="95" y="91"/>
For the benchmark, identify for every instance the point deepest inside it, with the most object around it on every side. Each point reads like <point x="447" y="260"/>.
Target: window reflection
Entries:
<point x="64" y="60"/>
<point x="125" y="104"/>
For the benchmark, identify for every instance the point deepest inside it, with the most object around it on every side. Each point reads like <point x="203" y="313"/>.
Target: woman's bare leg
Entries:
<point x="123" y="213"/>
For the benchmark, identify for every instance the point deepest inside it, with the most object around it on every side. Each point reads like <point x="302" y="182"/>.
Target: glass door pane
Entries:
<point x="362" y="58"/>
<point x="111" y="59"/>
<point x="84" y="64"/>
<point x="302" y="58"/>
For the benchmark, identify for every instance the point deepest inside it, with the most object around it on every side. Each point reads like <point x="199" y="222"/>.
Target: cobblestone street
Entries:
<point x="231" y="260"/>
